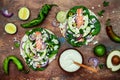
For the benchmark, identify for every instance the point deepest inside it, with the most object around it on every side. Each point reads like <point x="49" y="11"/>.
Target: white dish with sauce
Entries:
<point x="67" y="59"/>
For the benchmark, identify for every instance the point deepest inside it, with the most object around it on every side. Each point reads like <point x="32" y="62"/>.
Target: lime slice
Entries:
<point x="61" y="16"/>
<point x="10" y="28"/>
<point x="24" y="13"/>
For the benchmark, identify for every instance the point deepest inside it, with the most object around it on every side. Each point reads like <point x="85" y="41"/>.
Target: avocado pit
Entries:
<point x="115" y="60"/>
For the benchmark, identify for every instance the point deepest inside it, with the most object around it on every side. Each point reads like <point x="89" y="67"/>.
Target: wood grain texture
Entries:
<point x="53" y="71"/>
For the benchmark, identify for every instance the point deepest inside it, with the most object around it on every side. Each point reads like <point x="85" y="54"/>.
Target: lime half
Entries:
<point x="61" y="16"/>
<point x="24" y="13"/>
<point x="10" y="28"/>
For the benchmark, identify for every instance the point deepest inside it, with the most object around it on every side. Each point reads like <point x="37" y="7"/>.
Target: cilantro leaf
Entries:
<point x="17" y="44"/>
<point x="105" y="3"/>
<point x="100" y="13"/>
<point x="101" y="66"/>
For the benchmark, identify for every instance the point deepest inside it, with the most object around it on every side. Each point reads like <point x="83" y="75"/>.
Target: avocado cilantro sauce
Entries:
<point x="39" y="47"/>
<point x="80" y="27"/>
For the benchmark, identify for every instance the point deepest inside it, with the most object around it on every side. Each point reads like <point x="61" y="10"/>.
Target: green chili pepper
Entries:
<point x="15" y="60"/>
<point x="73" y="11"/>
<point x="41" y="16"/>
<point x="112" y="35"/>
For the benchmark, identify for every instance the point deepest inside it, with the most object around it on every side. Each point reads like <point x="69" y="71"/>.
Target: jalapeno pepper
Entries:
<point x="15" y="60"/>
<point x="41" y="16"/>
<point x="73" y="11"/>
<point x="112" y="35"/>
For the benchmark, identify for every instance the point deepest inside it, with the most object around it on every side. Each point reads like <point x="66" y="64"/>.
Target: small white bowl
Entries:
<point x="67" y="58"/>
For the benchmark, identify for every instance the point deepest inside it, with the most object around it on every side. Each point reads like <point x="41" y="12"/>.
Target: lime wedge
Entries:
<point x="10" y="28"/>
<point x="24" y="13"/>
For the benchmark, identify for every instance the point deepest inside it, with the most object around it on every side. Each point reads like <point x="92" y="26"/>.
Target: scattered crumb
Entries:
<point x="101" y="16"/>
<point x="113" y="12"/>
<point x="15" y="39"/>
<point x="99" y="5"/>
<point x="95" y="42"/>
<point x="4" y="33"/>
<point x="12" y="48"/>
<point x="93" y="7"/>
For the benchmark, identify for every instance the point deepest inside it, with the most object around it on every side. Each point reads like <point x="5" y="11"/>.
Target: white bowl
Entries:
<point x="67" y="59"/>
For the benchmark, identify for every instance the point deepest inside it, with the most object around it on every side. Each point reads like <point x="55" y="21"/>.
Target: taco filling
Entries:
<point x="80" y="27"/>
<point x="39" y="47"/>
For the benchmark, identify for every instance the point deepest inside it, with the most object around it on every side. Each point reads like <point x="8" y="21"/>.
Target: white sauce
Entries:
<point x="67" y="58"/>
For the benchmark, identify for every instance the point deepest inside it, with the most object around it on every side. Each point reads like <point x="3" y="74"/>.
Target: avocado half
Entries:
<point x="110" y="63"/>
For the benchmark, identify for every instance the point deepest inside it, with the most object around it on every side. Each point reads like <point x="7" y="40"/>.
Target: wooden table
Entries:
<point x="53" y="71"/>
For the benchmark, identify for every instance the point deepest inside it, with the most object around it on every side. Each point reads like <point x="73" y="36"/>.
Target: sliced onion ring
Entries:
<point x="55" y="23"/>
<point x="45" y="64"/>
<point x="6" y="13"/>
<point x="32" y="37"/>
<point x="43" y="45"/>
<point x="94" y="61"/>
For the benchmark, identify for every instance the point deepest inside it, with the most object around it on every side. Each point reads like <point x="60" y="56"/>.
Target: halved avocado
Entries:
<point x="113" y="60"/>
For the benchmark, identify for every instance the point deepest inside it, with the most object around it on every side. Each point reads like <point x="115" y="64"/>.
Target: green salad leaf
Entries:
<point x="105" y="3"/>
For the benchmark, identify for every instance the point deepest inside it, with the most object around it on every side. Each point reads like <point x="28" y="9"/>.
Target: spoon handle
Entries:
<point x="87" y="67"/>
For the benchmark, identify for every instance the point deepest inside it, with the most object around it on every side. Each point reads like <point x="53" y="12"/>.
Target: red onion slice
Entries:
<point x="45" y="64"/>
<point x="93" y="61"/>
<point x="43" y="45"/>
<point x="80" y="37"/>
<point x="55" y="23"/>
<point x="32" y="37"/>
<point x="6" y="13"/>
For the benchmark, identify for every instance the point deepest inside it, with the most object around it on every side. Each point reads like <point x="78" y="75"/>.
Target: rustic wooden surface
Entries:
<point x="53" y="71"/>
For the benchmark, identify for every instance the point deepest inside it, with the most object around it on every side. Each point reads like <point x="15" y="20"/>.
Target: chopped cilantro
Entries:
<point x="101" y="66"/>
<point x="17" y="44"/>
<point x="105" y="3"/>
<point x="100" y="13"/>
